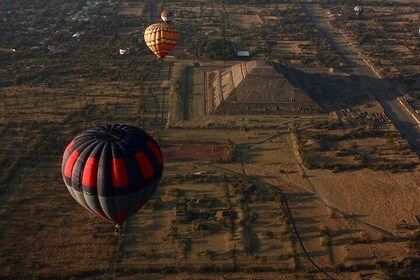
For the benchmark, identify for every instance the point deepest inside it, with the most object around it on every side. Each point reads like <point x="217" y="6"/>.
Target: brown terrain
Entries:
<point x="255" y="186"/>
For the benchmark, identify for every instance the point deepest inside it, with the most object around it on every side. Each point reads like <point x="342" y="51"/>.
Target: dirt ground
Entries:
<point x="384" y="198"/>
<point x="190" y="152"/>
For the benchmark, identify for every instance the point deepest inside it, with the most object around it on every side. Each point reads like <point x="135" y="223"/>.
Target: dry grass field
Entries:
<point x="340" y="147"/>
<point x="190" y="213"/>
<point x="191" y="152"/>
<point x="346" y="205"/>
<point x="132" y="8"/>
<point x="42" y="226"/>
<point x="388" y="35"/>
<point x="263" y="29"/>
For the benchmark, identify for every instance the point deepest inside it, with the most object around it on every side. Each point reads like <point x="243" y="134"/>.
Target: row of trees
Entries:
<point x="213" y="48"/>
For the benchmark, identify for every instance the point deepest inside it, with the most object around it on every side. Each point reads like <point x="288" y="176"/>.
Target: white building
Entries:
<point x="76" y="36"/>
<point x="124" y="51"/>
<point x="242" y="53"/>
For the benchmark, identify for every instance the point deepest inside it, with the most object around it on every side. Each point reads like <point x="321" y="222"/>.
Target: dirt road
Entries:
<point x="384" y="92"/>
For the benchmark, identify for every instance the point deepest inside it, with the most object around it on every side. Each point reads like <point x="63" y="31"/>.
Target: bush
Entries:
<point x="269" y="234"/>
<point x="339" y="267"/>
<point x="325" y="240"/>
<point x="323" y="231"/>
<point x="175" y="192"/>
<point x="219" y="49"/>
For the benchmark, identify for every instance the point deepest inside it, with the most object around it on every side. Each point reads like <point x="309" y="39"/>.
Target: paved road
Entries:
<point x="384" y="92"/>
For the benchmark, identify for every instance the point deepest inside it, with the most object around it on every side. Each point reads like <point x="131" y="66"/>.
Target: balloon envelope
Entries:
<point x="112" y="170"/>
<point x="167" y="16"/>
<point x="161" y="38"/>
<point x="358" y="9"/>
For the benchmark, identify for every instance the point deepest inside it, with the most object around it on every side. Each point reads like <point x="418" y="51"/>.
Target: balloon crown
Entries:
<point x="110" y="134"/>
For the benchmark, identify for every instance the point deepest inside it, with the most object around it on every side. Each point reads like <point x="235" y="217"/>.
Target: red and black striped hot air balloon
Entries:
<point x="112" y="170"/>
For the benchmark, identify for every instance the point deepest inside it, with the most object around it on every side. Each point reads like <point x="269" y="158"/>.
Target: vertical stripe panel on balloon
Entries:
<point x="71" y="191"/>
<point x="93" y="202"/>
<point x="122" y="207"/>
<point x="135" y="200"/>
<point x="77" y="174"/>
<point x="68" y="168"/>
<point x="157" y="168"/>
<point x="107" y="204"/>
<point x="80" y="197"/>
<point x="145" y="165"/>
<point x="119" y="167"/>
<point x="90" y="172"/>
<point x="68" y="147"/>
<point x="156" y="152"/>
<point x="105" y="182"/>
<point x="153" y="40"/>
<point x="119" y="173"/>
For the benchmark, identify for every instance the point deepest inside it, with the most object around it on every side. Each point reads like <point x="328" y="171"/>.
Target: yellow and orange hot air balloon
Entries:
<point x="162" y="37"/>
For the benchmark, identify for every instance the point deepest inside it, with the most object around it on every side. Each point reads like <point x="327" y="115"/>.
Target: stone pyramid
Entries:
<point x="256" y="87"/>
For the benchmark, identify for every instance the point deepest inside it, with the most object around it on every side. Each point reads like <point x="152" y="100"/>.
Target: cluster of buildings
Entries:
<point x="83" y="14"/>
<point x="355" y="113"/>
<point x="202" y="213"/>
